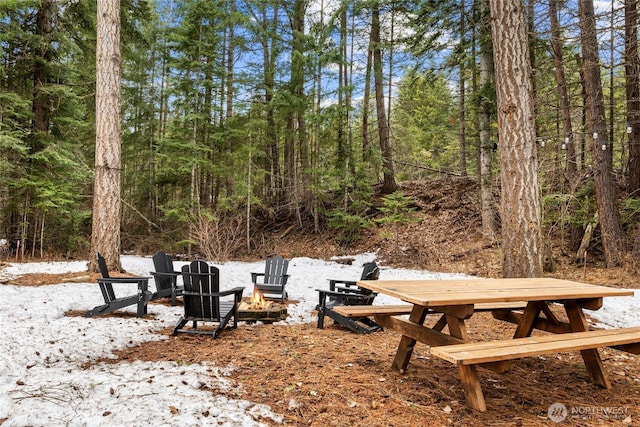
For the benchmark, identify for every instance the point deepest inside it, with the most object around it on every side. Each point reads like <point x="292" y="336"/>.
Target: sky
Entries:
<point x="43" y="381"/>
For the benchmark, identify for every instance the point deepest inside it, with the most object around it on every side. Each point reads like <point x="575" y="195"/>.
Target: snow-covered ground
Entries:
<point x="42" y="352"/>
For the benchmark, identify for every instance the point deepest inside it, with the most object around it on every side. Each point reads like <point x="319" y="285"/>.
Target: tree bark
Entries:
<point x="366" y="150"/>
<point x="563" y="97"/>
<point x="342" y="150"/>
<point x="632" y="73"/>
<point x="231" y="44"/>
<point x="568" y="143"/>
<point x="521" y="224"/>
<point x="295" y="147"/>
<point x="462" y="82"/>
<point x="489" y="226"/>
<point x="268" y="55"/>
<point x="389" y="184"/>
<point x="41" y="105"/>
<point x="610" y="224"/>
<point x="105" y="235"/>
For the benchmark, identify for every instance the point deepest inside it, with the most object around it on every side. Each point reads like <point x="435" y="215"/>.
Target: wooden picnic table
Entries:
<point x="455" y="301"/>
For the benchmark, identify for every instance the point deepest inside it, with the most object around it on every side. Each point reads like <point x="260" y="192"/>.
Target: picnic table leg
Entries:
<point x="457" y="328"/>
<point x="471" y="385"/>
<point x="405" y="348"/>
<point x="528" y="320"/>
<point x="468" y="373"/>
<point x="591" y="357"/>
<point x="440" y="324"/>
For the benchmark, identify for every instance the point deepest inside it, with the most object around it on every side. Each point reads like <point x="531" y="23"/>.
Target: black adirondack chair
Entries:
<point x="203" y="301"/>
<point x="111" y="301"/>
<point x="166" y="277"/>
<point x="274" y="278"/>
<point x="345" y="292"/>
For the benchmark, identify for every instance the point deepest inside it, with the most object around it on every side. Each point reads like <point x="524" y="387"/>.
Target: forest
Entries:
<point x="237" y="116"/>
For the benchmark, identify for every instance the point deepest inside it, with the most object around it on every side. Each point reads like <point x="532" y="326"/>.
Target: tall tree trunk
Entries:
<point x="268" y="57"/>
<point x="583" y="117"/>
<point x="316" y="129"/>
<point x="342" y="152"/>
<point x="43" y="53"/>
<point x="299" y="48"/>
<point x="40" y="105"/>
<point x="612" y="80"/>
<point x="366" y="98"/>
<point x="632" y="73"/>
<point x="105" y="234"/>
<point x="230" y="59"/>
<point x="462" y="135"/>
<point x="563" y="97"/>
<point x="303" y="138"/>
<point x="489" y="226"/>
<point x="348" y="78"/>
<point x="521" y="225"/>
<point x="231" y="43"/>
<point x="390" y="81"/>
<point x="532" y="37"/>
<point x="610" y="225"/>
<point x="389" y="184"/>
<point x="295" y="145"/>
<point x="576" y="231"/>
<point x="209" y="198"/>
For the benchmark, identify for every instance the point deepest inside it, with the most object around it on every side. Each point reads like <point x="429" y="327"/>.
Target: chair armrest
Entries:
<point x="346" y="282"/>
<point x="235" y="291"/>
<point x="356" y="290"/>
<point x="142" y="281"/>
<point x="124" y="279"/>
<point x="171" y="275"/>
<point x="254" y="277"/>
<point x="159" y="273"/>
<point x="331" y="293"/>
<point x="334" y="282"/>
<point x="343" y="296"/>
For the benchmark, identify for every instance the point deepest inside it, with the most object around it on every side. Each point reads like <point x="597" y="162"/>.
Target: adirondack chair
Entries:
<point x="345" y="292"/>
<point x="166" y="277"/>
<point x="111" y="301"/>
<point x="274" y="278"/>
<point x="203" y="301"/>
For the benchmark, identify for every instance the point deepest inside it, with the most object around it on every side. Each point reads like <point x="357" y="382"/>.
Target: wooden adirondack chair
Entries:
<point x="166" y="277"/>
<point x="345" y="292"/>
<point x="274" y="278"/>
<point x="111" y="302"/>
<point x="203" y="301"/>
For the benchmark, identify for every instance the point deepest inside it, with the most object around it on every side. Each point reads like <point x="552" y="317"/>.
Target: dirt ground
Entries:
<point x="332" y="377"/>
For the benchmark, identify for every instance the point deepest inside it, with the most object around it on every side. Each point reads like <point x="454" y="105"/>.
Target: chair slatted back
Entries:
<point x="163" y="264"/>
<point x="102" y="265"/>
<point x="371" y="271"/>
<point x="105" y="287"/>
<point x="275" y="270"/>
<point x="201" y="279"/>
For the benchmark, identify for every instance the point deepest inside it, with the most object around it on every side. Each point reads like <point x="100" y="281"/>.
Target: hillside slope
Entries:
<point x="446" y="237"/>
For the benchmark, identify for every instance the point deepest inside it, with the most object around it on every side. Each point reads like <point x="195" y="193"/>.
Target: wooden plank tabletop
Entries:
<point x="472" y="290"/>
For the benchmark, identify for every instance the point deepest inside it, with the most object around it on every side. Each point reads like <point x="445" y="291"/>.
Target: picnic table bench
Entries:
<point x="468" y="355"/>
